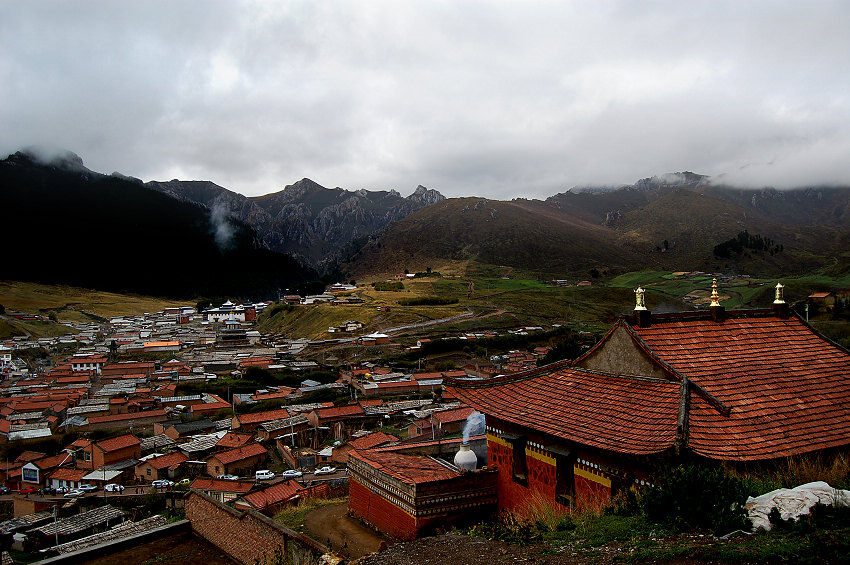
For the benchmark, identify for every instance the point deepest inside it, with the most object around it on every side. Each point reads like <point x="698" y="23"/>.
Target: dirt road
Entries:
<point x="346" y="536"/>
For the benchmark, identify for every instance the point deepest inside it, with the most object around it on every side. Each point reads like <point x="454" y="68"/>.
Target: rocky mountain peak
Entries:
<point x="425" y="197"/>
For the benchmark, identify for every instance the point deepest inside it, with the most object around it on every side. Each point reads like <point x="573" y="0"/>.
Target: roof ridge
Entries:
<point x="711" y="399"/>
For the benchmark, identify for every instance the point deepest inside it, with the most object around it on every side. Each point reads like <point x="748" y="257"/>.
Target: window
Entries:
<point x="148" y="471"/>
<point x="520" y="467"/>
<point x="564" y="477"/>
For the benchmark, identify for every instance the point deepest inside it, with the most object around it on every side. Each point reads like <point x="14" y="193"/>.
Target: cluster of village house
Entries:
<point x="201" y="437"/>
<point x="748" y="387"/>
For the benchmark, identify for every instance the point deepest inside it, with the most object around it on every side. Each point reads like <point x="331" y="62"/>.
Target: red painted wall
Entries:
<point x="380" y="513"/>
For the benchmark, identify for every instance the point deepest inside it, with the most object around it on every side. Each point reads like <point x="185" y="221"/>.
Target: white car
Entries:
<point x="263" y="474"/>
<point x="87" y="488"/>
<point x="325" y="471"/>
<point x="74" y="493"/>
<point x="228" y="477"/>
<point x="162" y="483"/>
<point x="114" y="487"/>
<point x="292" y="474"/>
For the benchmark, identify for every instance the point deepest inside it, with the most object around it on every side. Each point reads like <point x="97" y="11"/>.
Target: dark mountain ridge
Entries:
<point x="67" y="224"/>
<point x="311" y="222"/>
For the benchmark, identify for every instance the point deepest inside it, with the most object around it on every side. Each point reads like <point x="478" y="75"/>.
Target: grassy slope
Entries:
<point x="70" y="303"/>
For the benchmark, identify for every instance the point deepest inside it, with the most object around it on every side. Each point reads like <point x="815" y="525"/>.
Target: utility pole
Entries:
<point x="55" y="527"/>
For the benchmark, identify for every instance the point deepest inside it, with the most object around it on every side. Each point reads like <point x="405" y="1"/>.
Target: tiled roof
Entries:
<point x="409" y="469"/>
<point x="787" y="388"/>
<point x="373" y="439"/>
<point x="457" y="415"/>
<point x="146" y="414"/>
<point x="120" y="442"/>
<point x="259" y="417"/>
<point x="64" y="474"/>
<point x="251" y="450"/>
<point x="233" y="439"/>
<point x="340" y="411"/>
<point x="166" y="461"/>
<point x="276" y="493"/>
<point x="629" y="415"/>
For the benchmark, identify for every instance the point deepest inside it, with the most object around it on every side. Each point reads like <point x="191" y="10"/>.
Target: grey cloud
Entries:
<point x="498" y="99"/>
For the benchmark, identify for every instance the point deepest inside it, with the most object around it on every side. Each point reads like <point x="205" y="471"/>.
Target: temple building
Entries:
<point x="746" y="387"/>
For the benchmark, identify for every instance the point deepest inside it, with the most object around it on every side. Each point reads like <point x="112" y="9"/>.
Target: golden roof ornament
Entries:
<point x="780" y="294"/>
<point x="714" y="296"/>
<point x="640" y="301"/>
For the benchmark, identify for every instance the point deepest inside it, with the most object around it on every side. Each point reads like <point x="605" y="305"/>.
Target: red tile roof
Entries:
<point x="233" y="455"/>
<point x="409" y="469"/>
<point x="260" y="417"/>
<point x="231" y="440"/>
<point x="340" y="412"/>
<point x="373" y="439"/>
<point x="456" y="415"/>
<point x="166" y="461"/>
<point x="622" y="414"/>
<point x="116" y="443"/>
<point x="787" y="388"/>
<point x="274" y="494"/>
<point x="145" y="415"/>
<point x="65" y="474"/>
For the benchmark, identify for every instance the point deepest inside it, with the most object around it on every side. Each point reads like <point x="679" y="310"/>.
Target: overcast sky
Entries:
<point x="495" y="99"/>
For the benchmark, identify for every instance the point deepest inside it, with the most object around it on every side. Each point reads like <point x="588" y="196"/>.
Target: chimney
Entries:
<point x="780" y="308"/>
<point x="644" y="316"/>
<point x="718" y="312"/>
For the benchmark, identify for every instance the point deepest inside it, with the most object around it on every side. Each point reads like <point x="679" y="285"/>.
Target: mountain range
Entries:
<point x="315" y="224"/>
<point x="62" y="214"/>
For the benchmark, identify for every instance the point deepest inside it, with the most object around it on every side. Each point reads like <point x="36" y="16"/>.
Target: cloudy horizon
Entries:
<point x="498" y="99"/>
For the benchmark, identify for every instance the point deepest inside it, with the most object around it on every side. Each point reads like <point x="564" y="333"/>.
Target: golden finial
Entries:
<point x="714" y="296"/>
<point x="640" y="301"/>
<point x="780" y="294"/>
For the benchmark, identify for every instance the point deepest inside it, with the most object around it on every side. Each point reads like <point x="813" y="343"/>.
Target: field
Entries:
<point x="75" y="304"/>
<point x="500" y="298"/>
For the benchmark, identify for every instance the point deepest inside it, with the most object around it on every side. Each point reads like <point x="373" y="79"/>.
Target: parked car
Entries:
<point x="28" y="490"/>
<point x="325" y="470"/>
<point x="184" y="482"/>
<point x="114" y="487"/>
<point x="228" y="477"/>
<point x="87" y="488"/>
<point x="4" y="489"/>
<point x="74" y="493"/>
<point x="263" y="474"/>
<point x="291" y="474"/>
<point x="162" y="483"/>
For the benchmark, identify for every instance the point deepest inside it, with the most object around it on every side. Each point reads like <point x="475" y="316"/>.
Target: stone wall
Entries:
<point x="249" y="537"/>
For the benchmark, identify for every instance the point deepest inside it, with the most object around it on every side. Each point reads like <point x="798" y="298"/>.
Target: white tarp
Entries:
<point x="795" y="502"/>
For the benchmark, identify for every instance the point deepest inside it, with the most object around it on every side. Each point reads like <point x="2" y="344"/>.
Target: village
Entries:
<point x="90" y="434"/>
<point x="88" y="426"/>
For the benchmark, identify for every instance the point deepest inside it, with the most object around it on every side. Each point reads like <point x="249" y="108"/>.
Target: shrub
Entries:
<point x="389" y="286"/>
<point x="694" y="496"/>
<point x="428" y="301"/>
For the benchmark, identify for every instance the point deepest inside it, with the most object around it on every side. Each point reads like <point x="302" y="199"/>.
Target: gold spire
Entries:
<point x="780" y="294"/>
<point x="640" y="301"/>
<point x="714" y="296"/>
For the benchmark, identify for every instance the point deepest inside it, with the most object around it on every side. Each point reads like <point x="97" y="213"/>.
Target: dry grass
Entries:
<point x="292" y="516"/>
<point x="795" y="471"/>
<point x="68" y="302"/>
<point x="540" y="510"/>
